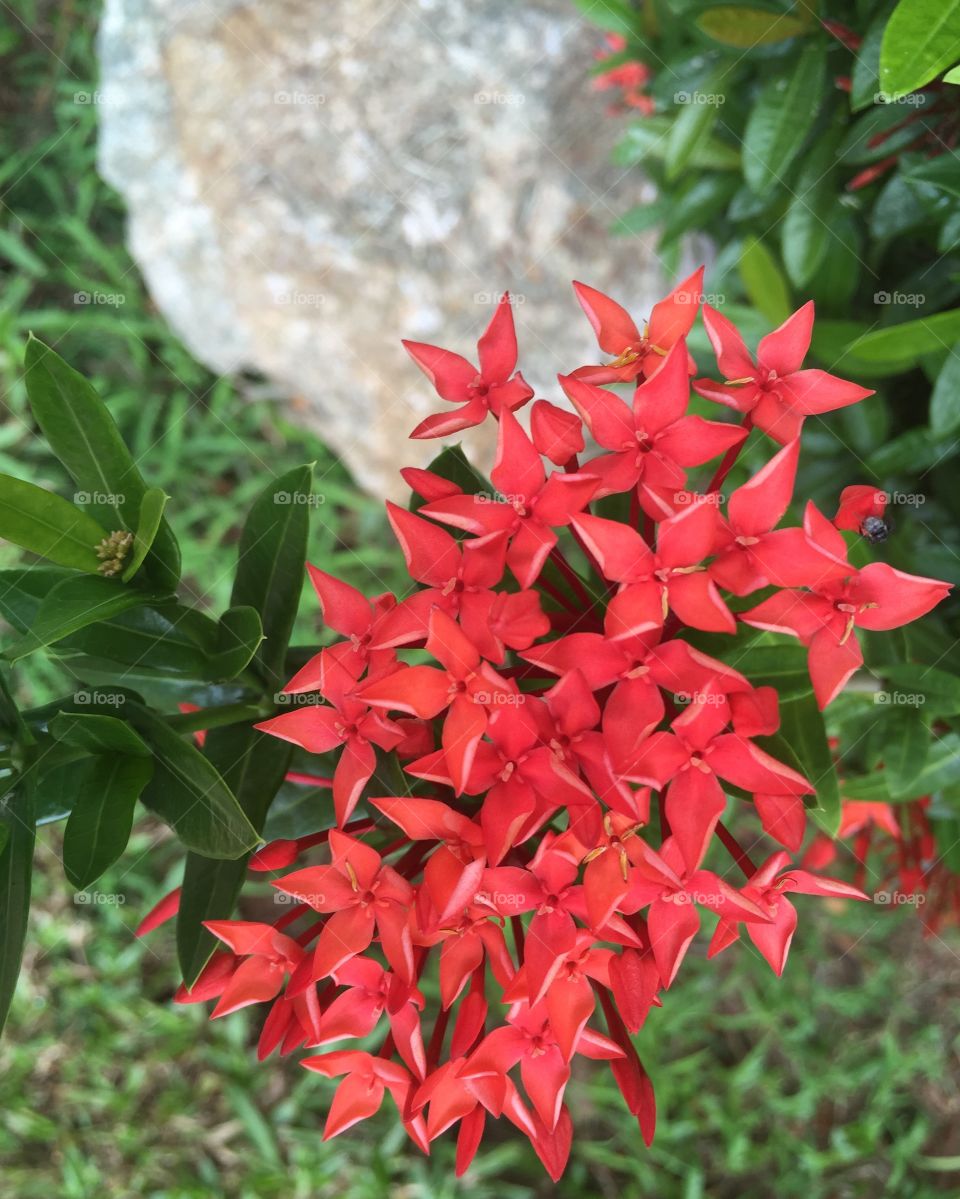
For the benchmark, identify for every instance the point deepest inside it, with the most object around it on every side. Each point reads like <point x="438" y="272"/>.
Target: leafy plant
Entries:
<point x="816" y="147"/>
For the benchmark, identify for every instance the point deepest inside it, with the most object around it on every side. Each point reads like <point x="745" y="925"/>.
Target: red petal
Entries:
<point x="608" y="418"/>
<point x="313" y="728"/>
<point x="518" y="471"/>
<point x="450" y="374"/>
<point x="759" y="505"/>
<point x="832" y="661"/>
<point x="556" y="434"/>
<point x="673" y="317"/>
<point x="612" y="324"/>
<point x="431" y="553"/>
<point x="898" y="597"/>
<point x="784" y="817"/>
<point x="785" y="348"/>
<point x="672" y="925"/>
<point x="733" y="357"/>
<point x="344" y="608"/>
<point x="497" y="347"/>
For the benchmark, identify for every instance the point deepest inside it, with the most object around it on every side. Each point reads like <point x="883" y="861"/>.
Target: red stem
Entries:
<point x="736" y="850"/>
<point x="729" y="458"/>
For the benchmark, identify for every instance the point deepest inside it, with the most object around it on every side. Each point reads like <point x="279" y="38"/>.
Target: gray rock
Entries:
<point x="307" y="184"/>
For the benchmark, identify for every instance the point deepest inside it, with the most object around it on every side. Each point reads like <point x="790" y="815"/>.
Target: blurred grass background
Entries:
<point x="840" y="1080"/>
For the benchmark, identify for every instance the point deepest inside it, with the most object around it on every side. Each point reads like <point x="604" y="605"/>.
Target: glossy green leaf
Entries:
<point x="907" y="743"/>
<point x="783" y="667"/>
<point x="746" y="27"/>
<point x="952" y="76"/>
<point x="98" y="829"/>
<point x="764" y="282"/>
<point x="48" y="525"/>
<point x="865" y="79"/>
<point x="907" y="342"/>
<point x="648" y="139"/>
<point x="945" y="398"/>
<point x="271" y="565"/>
<point x="781" y="119"/>
<point x="253" y="765"/>
<point x="71" y="605"/>
<point x="802" y="729"/>
<point x="148" y="525"/>
<point x="98" y="734"/>
<point x="614" y="15"/>
<point x="921" y="40"/>
<point x="239" y="634"/>
<point x="692" y="124"/>
<point x="806" y="231"/>
<point x="189" y="793"/>
<point x="84" y="436"/>
<point x="16" y="868"/>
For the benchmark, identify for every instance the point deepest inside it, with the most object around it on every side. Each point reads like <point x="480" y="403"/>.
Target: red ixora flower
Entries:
<point x="496" y="387"/>
<point x="539" y="777"/>
<point x="773" y="391"/>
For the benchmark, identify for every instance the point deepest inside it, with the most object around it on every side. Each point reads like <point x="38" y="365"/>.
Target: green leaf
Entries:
<point x="453" y="465"/>
<point x="942" y="173"/>
<point x="783" y="667"/>
<point x="614" y="15"/>
<point x="780" y="120"/>
<point x="940" y="689"/>
<point x="763" y="281"/>
<point x="16" y="868"/>
<point x="907" y="740"/>
<point x="98" y="734"/>
<point x="253" y="765"/>
<point x="952" y="76"/>
<point x="803" y="732"/>
<point x="190" y="794"/>
<point x="692" y="125"/>
<point x="648" y="139"/>
<point x="84" y="436"/>
<point x="73" y="604"/>
<point x="921" y="40"/>
<point x="148" y="525"/>
<point x="271" y="564"/>
<point x="806" y="231"/>
<point x="99" y="826"/>
<point x="48" y="525"/>
<point x="941" y="769"/>
<point x="239" y="634"/>
<point x="945" y="398"/>
<point x="908" y="342"/>
<point x="746" y="27"/>
<point x="865" y="79"/>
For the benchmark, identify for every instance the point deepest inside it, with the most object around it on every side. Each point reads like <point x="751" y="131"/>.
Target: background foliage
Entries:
<point x="815" y="146"/>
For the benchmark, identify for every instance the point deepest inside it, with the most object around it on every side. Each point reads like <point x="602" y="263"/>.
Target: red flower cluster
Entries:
<point x="533" y="692"/>
<point x="628" y="77"/>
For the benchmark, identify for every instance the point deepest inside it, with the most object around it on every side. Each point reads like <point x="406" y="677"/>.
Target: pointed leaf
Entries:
<point x="107" y="787"/>
<point x="148" y="525"/>
<point x="84" y="436"/>
<point x="189" y="793"/>
<point x="780" y="120"/>
<point x="253" y="765"/>
<point x="71" y="605"/>
<point x="271" y="565"/>
<point x="47" y="525"/>
<point x="16" y="867"/>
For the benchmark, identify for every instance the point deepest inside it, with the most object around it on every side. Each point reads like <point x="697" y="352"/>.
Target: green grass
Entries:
<point x="838" y="1080"/>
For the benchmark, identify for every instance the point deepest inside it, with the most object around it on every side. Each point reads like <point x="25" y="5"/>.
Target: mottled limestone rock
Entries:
<point x="308" y="183"/>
